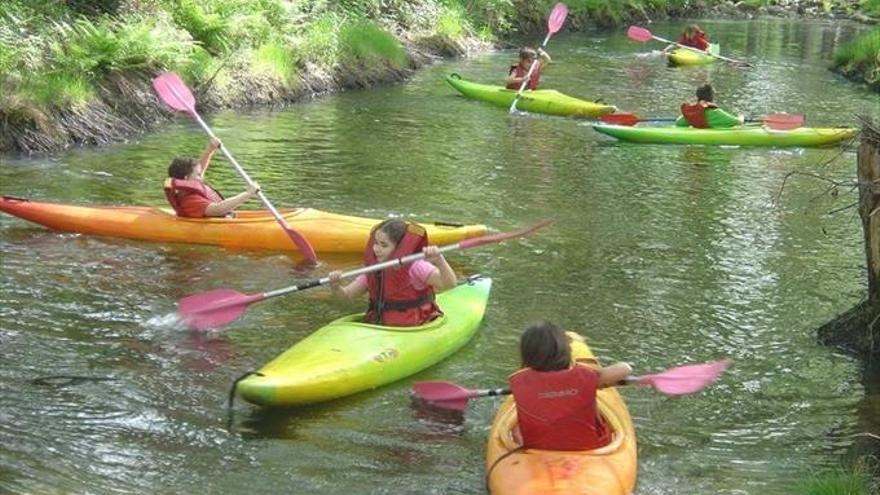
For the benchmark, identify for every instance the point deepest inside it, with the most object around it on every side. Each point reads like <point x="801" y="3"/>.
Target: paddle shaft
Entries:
<point x="738" y="62"/>
<point x="360" y="271"/>
<point x="525" y="82"/>
<point x="304" y="246"/>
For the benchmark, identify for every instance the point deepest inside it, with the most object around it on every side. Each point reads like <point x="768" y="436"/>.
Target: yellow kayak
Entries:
<point x="326" y="232"/>
<point x="610" y="470"/>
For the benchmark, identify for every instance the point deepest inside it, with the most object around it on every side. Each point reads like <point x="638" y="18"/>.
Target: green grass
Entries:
<point x="275" y="58"/>
<point x="861" y="56"/>
<point x="365" y="44"/>
<point x="858" y="480"/>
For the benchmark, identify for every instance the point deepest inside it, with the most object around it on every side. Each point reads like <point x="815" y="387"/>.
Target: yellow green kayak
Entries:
<point x="684" y="56"/>
<point x="747" y="135"/>
<point x="547" y="101"/>
<point x="348" y="356"/>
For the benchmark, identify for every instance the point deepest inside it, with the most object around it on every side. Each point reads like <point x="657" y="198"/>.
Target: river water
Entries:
<point x="660" y="255"/>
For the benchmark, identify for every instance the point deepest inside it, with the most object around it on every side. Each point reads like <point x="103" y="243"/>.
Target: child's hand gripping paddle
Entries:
<point x="174" y="92"/>
<point x="777" y="121"/>
<point x="554" y="24"/>
<point x="681" y="380"/>
<point x="222" y="306"/>
<point x="642" y="35"/>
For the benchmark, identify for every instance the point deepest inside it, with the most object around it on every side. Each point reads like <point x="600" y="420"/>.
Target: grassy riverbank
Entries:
<point x="77" y="72"/>
<point x="860" y="59"/>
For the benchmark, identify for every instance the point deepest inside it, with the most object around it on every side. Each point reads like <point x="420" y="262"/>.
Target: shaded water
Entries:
<point x="660" y="255"/>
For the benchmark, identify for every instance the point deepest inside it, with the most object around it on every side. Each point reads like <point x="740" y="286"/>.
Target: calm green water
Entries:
<point x="659" y="254"/>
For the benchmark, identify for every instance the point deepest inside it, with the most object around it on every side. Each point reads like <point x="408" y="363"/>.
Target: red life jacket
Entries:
<point x="518" y="71"/>
<point x="557" y="410"/>
<point x="695" y="114"/>
<point x="699" y="41"/>
<point x="393" y="299"/>
<point x="176" y="189"/>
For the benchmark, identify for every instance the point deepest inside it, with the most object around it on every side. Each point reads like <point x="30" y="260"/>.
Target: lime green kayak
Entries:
<point x="748" y="135"/>
<point x="347" y="356"/>
<point x="683" y="56"/>
<point x="545" y="101"/>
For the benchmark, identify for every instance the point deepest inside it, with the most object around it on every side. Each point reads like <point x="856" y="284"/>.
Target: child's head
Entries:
<point x="182" y="167"/>
<point x="387" y="236"/>
<point x="545" y="347"/>
<point x="705" y="93"/>
<point x="692" y="31"/>
<point x="527" y="54"/>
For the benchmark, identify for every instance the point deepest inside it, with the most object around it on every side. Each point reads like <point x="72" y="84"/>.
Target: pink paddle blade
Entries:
<point x="213" y="309"/>
<point x="502" y="236"/>
<point x="557" y="18"/>
<point x="620" y="119"/>
<point x="174" y="92"/>
<point x="688" y="379"/>
<point x="639" y="34"/>
<point x="445" y="395"/>
<point x="783" y="121"/>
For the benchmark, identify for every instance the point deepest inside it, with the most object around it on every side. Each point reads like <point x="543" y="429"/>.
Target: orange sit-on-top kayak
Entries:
<point x="610" y="470"/>
<point x="326" y="232"/>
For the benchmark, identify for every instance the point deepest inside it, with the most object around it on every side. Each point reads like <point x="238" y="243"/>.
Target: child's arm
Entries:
<point x="221" y="208"/>
<point x="350" y="291"/>
<point x="610" y="376"/>
<point x="205" y="159"/>
<point x="444" y="276"/>
<point x="545" y="57"/>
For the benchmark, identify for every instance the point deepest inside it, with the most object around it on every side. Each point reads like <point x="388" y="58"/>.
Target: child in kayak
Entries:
<point x="400" y="296"/>
<point x="555" y="398"/>
<point x="694" y="37"/>
<point x="191" y="196"/>
<point x="704" y="114"/>
<point x="518" y="71"/>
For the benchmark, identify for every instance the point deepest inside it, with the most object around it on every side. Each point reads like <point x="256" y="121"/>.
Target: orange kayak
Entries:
<point x="326" y="232"/>
<point x="610" y="470"/>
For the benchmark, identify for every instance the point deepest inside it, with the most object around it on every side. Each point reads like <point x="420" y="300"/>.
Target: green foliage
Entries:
<point x="365" y="44"/>
<point x="871" y="7"/>
<point x="861" y="56"/>
<point x="843" y="481"/>
<point x="277" y="59"/>
<point x="57" y="90"/>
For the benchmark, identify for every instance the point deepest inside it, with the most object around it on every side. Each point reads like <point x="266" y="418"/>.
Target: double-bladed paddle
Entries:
<point x="222" y="306"/>
<point x="778" y="121"/>
<point x="174" y="92"/>
<point x="681" y="380"/>
<point x="642" y="35"/>
<point x="554" y="24"/>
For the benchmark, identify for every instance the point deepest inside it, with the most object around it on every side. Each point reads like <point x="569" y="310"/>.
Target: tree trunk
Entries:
<point x="858" y="330"/>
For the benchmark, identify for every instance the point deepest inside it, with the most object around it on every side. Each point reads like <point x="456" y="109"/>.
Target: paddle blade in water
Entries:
<point x="213" y="309"/>
<point x="557" y="18"/>
<point x="445" y="395"/>
<point x="620" y="119"/>
<point x="174" y="92"/>
<point x="688" y="379"/>
<point x="638" y="34"/>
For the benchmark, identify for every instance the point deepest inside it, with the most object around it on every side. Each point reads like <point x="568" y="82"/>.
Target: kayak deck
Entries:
<point x="683" y="56"/>
<point x="546" y="101"/>
<point x="348" y="356"/>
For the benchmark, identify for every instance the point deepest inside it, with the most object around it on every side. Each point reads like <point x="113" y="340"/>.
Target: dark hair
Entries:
<point x="544" y="347"/>
<point x="394" y="229"/>
<point x="528" y="53"/>
<point x="705" y="93"/>
<point x="181" y="167"/>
